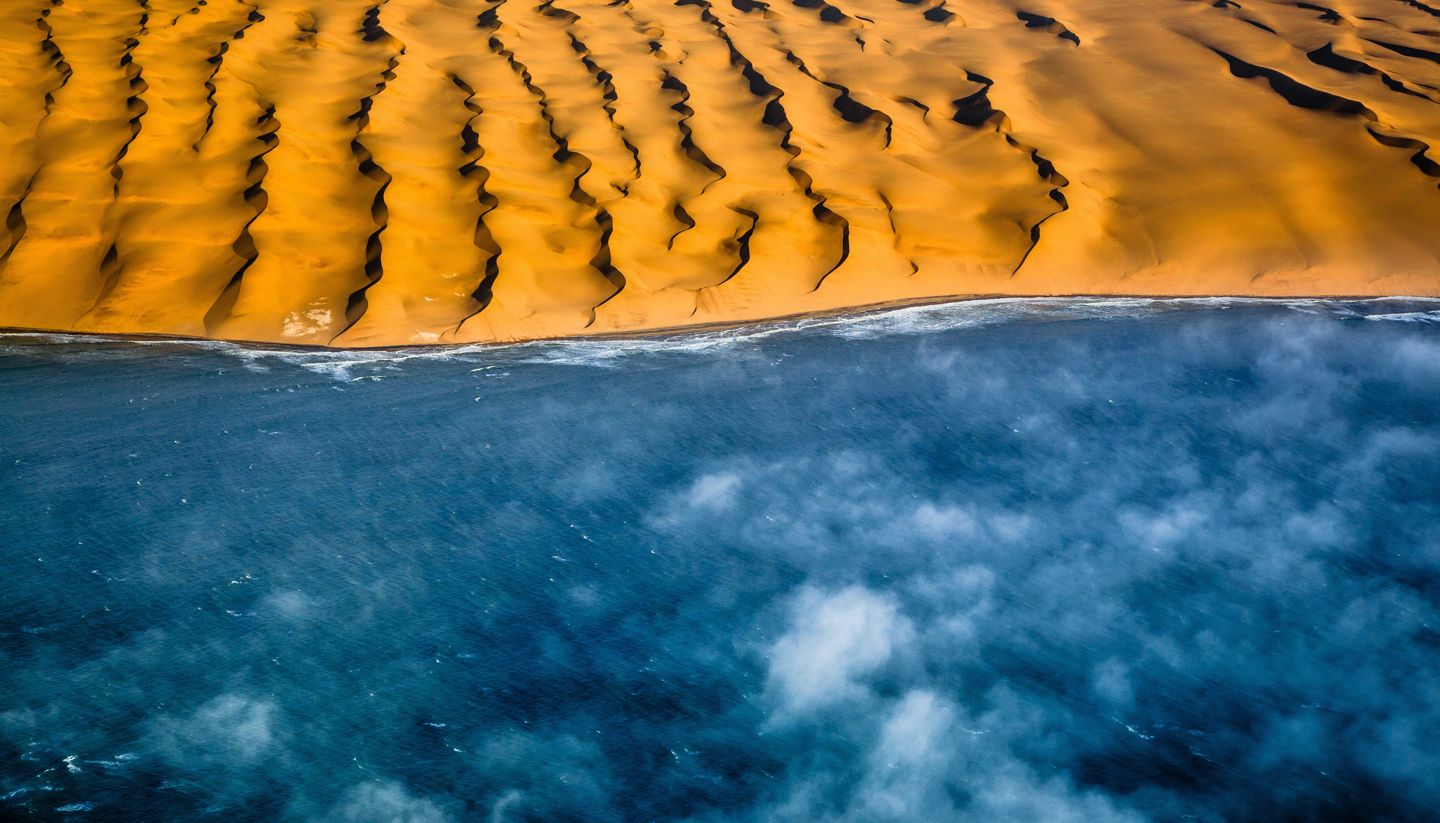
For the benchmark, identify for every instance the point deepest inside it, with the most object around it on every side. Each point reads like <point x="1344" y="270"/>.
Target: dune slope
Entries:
<point x="387" y="172"/>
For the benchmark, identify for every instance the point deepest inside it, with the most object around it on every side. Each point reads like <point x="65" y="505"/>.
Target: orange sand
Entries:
<point x="351" y="173"/>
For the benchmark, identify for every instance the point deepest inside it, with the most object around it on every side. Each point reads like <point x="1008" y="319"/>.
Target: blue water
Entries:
<point x="1056" y="560"/>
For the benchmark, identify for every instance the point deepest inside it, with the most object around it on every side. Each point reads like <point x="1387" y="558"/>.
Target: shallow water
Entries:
<point x="1009" y="560"/>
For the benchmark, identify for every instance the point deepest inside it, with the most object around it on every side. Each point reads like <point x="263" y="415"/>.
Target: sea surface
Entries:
<point x="1057" y="560"/>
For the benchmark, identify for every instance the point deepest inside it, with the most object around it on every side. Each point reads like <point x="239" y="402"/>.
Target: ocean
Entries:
<point x="1032" y="560"/>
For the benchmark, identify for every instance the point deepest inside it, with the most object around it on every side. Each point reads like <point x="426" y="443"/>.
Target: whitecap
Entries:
<point x="1407" y="317"/>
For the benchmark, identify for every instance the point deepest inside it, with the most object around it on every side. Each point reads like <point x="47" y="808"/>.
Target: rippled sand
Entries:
<point x="413" y="171"/>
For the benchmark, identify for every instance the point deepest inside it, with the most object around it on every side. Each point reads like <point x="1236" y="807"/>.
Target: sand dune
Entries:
<point x="418" y="171"/>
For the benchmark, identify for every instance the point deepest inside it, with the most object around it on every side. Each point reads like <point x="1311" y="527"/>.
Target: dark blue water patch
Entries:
<point x="1054" y="560"/>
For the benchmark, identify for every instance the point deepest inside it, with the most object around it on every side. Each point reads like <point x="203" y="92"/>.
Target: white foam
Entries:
<point x="344" y="365"/>
<point x="1407" y="317"/>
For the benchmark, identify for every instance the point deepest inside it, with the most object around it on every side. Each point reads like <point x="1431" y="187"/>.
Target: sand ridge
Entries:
<point x="428" y="171"/>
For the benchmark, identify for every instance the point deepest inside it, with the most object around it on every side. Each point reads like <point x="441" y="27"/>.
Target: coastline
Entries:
<point x="777" y="323"/>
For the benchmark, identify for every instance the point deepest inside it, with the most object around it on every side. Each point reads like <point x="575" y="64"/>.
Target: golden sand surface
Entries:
<point x="359" y="173"/>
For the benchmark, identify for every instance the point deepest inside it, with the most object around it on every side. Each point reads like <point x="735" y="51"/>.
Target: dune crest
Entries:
<point x="390" y="172"/>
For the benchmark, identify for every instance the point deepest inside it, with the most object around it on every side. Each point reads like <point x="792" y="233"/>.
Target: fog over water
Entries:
<point x="1104" y="560"/>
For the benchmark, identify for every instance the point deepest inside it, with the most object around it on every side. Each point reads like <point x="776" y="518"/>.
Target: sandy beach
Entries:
<point x="354" y="173"/>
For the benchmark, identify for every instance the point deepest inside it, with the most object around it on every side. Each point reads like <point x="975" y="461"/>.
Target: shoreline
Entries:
<point x="855" y="312"/>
